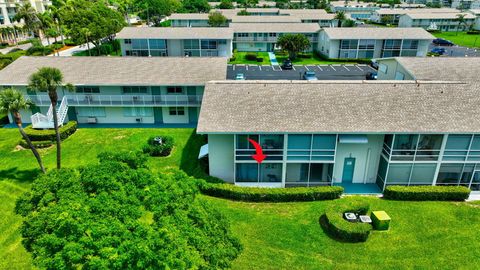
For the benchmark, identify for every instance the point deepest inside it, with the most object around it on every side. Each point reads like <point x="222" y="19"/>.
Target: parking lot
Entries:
<point x="323" y="72"/>
<point x="457" y="51"/>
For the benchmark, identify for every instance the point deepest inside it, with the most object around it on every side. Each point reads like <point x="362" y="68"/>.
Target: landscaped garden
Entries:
<point x="250" y="58"/>
<point x="308" y="59"/>
<point x="422" y="235"/>
<point x="461" y="38"/>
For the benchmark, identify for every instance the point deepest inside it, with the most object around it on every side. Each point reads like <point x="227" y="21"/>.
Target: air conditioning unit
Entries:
<point x="139" y="120"/>
<point x="92" y="120"/>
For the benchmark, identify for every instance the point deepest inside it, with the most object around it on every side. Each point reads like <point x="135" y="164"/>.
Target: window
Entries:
<point x="209" y="44"/>
<point x="272" y="34"/>
<point x="87" y="89"/>
<point x="246" y="172"/>
<point x="410" y="44"/>
<point x="366" y="44"/>
<point x="139" y="44"/>
<point x="349" y="44"/>
<point x="176" y="111"/>
<point x="128" y="41"/>
<point x="423" y="174"/>
<point x="157" y="44"/>
<point x="449" y="174"/>
<point x="242" y="34"/>
<point x="137" y="112"/>
<point x="91" y="112"/>
<point x="383" y="68"/>
<point x="135" y="89"/>
<point x="174" y="90"/>
<point x="191" y="44"/>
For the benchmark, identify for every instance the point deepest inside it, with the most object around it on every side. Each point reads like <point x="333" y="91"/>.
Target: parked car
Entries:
<point x="240" y="76"/>
<point x="310" y="76"/>
<point x="287" y="64"/>
<point x="438" y="50"/>
<point x="374" y="64"/>
<point x="442" y="42"/>
<point x="371" y="76"/>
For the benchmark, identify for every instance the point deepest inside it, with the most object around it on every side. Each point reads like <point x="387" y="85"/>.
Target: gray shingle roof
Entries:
<point x="265" y="19"/>
<point x="188" y="16"/>
<point x="120" y="70"/>
<point x="442" y="68"/>
<point x="377" y="33"/>
<point x="339" y="106"/>
<point x="176" y="32"/>
<point x="415" y="10"/>
<point x="275" y="27"/>
<point x="448" y="15"/>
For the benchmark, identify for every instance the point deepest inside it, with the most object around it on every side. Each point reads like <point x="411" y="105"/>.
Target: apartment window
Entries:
<point x="135" y="89"/>
<point x="137" y="112"/>
<point x="157" y="44"/>
<point x="366" y="44"/>
<point x="87" y="89"/>
<point x="272" y="34"/>
<point x="91" y="112"/>
<point x="209" y="44"/>
<point x="410" y="44"/>
<point x="140" y="44"/>
<point x="242" y="34"/>
<point x="346" y="44"/>
<point x="176" y="111"/>
<point x="174" y="90"/>
<point x="222" y="42"/>
<point x="128" y="41"/>
<point x="191" y="44"/>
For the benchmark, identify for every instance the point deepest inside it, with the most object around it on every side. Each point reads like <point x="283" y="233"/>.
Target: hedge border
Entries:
<point x="336" y="226"/>
<point x="257" y="194"/>
<point x="426" y="193"/>
<point x="49" y="134"/>
<point x="36" y="144"/>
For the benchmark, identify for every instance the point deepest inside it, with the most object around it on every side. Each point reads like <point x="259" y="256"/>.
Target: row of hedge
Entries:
<point x="49" y="134"/>
<point x="36" y="144"/>
<point x="256" y="194"/>
<point x="426" y="193"/>
<point x="336" y="226"/>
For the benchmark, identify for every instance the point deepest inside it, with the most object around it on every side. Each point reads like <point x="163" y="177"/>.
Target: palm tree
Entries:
<point x="48" y="79"/>
<point x="29" y="16"/>
<point x="461" y="20"/>
<point x="86" y="32"/>
<point x="57" y="20"/>
<point x="12" y="101"/>
<point x="46" y="23"/>
<point x="340" y="16"/>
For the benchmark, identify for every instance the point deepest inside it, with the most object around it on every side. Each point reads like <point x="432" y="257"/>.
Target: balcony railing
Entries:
<point x="124" y="100"/>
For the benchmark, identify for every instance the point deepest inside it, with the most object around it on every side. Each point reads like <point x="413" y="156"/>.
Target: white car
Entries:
<point x="240" y="77"/>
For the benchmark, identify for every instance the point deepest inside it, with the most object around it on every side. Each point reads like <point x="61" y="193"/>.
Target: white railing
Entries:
<point x="46" y="121"/>
<point x="62" y="111"/>
<point x="39" y="119"/>
<point x="124" y="100"/>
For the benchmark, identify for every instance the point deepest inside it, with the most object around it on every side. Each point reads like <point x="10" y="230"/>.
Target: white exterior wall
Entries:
<point x="175" y="47"/>
<point x="366" y="159"/>
<point x="405" y="21"/>
<point x="392" y="68"/>
<point x="220" y="156"/>
<point x="477" y="23"/>
<point x="174" y="119"/>
<point x="251" y="46"/>
<point x="114" y="115"/>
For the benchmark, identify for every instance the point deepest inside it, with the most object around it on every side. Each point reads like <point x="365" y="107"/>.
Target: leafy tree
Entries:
<point x="348" y="23"/>
<point x="100" y="20"/>
<point x="340" y="17"/>
<point x="313" y="3"/>
<point x="293" y="43"/>
<point x="12" y="101"/>
<point x="29" y="15"/>
<point x="461" y="21"/>
<point x="216" y="19"/>
<point x="226" y="4"/>
<point x="195" y="6"/>
<point x="157" y="8"/>
<point x="48" y="79"/>
<point x="387" y="19"/>
<point x="111" y="216"/>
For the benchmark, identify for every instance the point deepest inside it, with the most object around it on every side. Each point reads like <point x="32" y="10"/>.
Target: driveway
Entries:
<point x="323" y="72"/>
<point x="457" y="51"/>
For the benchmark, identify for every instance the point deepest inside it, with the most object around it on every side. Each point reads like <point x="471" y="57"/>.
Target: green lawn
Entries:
<point x="240" y="58"/>
<point x="423" y="235"/>
<point x="460" y="38"/>
<point x="314" y="60"/>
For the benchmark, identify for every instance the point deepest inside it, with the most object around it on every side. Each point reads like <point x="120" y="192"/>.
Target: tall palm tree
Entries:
<point x="461" y="20"/>
<point x="46" y="23"/>
<point x="57" y="20"/>
<point x="29" y="16"/>
<point x="12" y="101"/>
<point x="340" y="16"/>
<point x="48" y="79"/>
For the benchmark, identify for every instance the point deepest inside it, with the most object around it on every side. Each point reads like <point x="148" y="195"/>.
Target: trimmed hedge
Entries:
<point x="426" y="193"/>
<point x="256" y="194"/>
<point x="36" y="144"/>
<point x="154" y="149"/>
<point x="251" y="56"/>
<point x="336" y="226"/>
<point x="49" y="134"/>
<point x="134" y="159"/>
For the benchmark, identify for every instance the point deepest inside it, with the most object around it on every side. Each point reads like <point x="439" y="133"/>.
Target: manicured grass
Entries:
<point x="460" y="38"/>
<point x="422" y="235"/>
<point x="18" y="169"/>
<point x="240" y="58"/>
<point x="314" y="60"/>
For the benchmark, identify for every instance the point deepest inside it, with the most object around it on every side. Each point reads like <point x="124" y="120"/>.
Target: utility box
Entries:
<point x="380" y="220"/>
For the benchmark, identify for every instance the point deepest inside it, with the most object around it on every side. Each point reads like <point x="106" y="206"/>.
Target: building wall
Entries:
<point x="447" y="25"/>
<point x="220" y="157"/>
<point x="366" y="159"/>
<point x="174" y="119"/>
<point x="251" y="46"/>
<point x="115" y="115"/>
<point x="391" y="70"/>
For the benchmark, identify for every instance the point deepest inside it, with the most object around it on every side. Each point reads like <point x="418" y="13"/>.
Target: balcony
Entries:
<point x="124" y="100"/>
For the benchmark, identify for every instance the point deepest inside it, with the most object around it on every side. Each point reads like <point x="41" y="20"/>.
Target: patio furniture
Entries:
<point x="365" y="219"/>
<point x="380" y="220"/>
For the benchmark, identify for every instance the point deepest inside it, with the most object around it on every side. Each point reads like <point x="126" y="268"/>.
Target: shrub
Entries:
<point x="426" y="193"/>
<point x="36" y="144"/>
<point x="134" y="159"/>
<point x="259" y="59"/>
<point x="154" y="149"/>
<point x="335" y="225"/>
<point x="251" y="56"/>
<point x="473" y="32"/>
<point x="254" y="194"/>
<point x="49" y="134"/>
<point x="39" y="51"/>
<point x="305" y="55"/>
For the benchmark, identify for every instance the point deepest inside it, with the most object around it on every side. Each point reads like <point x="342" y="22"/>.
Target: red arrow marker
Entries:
<point x="259" y="156"/>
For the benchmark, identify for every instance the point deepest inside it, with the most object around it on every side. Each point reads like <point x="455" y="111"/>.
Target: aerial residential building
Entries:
<point x="429" y="68"/>
<point x="476" y="12"/>
<point x="373" y="42"/>
<point x="466" y="4"/>
<point x="368" y="134"/>
<point x="356" y="10"/>
<point x="189" y="20"/>
<point x="120" y="90"/>
<point x="392" y="15"/>
<point x="9" y="9"/>
<point x="263" y="37"/>
<point x="437" y="21"/>
<point x="171" y="41"/>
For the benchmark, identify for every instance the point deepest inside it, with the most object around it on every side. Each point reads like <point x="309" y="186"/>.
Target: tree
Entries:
<point x="226" y="4"/>
<point x="157" y="8"/>
<point x="293" y="43"/>
<point x="340" y="17"/>
<point x="29" y="16"/>
<point x="387" y="19"/>
<point x="216" y="19"/>
<point x="348" y="23"/>
<point x="195" y="6"/>
<point x="12" y="101"/>
<point x="113" y="216"/>
<point x="48" y="79"/>
<point x="461" y="21"/>
<point x="313" y="4"/>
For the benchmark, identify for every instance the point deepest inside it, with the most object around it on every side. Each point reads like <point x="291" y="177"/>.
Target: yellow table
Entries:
<point x="380" y="220"/>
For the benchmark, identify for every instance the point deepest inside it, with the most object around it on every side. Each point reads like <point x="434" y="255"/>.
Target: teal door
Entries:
<point x="72" y="114"/>
<point x="348" y="169"/>
<point x="192" y="115"/>
<point x="157" y="113"/>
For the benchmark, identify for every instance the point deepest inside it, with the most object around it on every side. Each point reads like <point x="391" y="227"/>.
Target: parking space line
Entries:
<point x="320" y="68"/>
<point x="293" y="67"/>
<point x="260" y="67"/>
<point x="307" y="68"/>
<point x="246" y="67"/>
<point x="233" y="67"/>
<point x="358" y="68"/>
<point x="346" y="67"/>
<point x="333" y="68"/>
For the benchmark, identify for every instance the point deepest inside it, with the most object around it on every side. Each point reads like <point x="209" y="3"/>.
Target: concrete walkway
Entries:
<point x="79" y="48"/>
<point x="273" y="59"/>
<point x="474" y="197"/>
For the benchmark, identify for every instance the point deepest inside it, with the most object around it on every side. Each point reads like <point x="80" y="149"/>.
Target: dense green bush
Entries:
<point x="49" y="134"/>
<point x="335" y="225"/>
<point x="134" y="159"/>
<point x="110" y="216"/>
<point x="39" y="51"/>
<point x="36" y="144"/>
<point x="154" y="149"/>
<point x="426" y="193"/>
<point x="253" y="194"/>
<point x="473" y="32"/>
<point x="251" y="56"/>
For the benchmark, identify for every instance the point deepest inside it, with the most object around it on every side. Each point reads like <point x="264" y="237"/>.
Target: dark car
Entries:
<point x="287" y="64"/>
<point x="371" y="76"/>
<point x="374" y="64"/>
<point x="438" y="50"/>
<point x="442" y="42"/>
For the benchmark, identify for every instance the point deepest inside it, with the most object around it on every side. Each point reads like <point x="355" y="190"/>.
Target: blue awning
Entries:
<point x="351" y="138"/>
